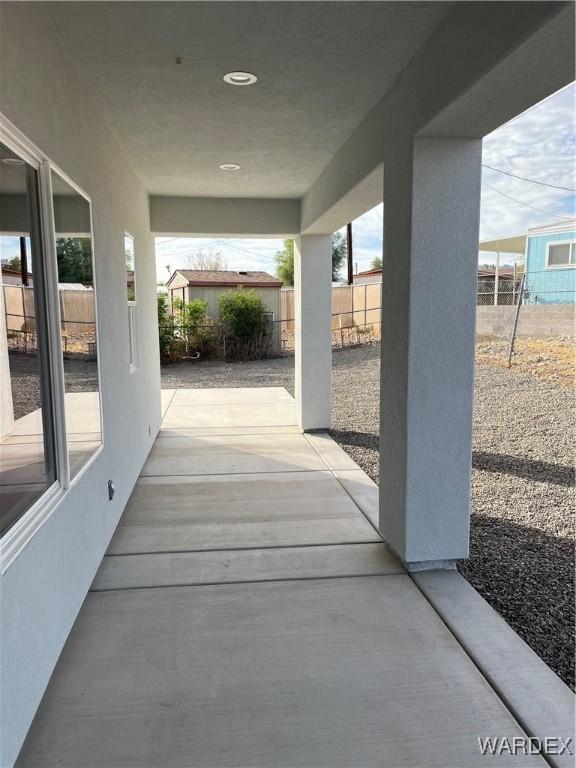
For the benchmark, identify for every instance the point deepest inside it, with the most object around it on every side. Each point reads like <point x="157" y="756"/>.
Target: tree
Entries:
<point x="74" y="256"/>
<point x="284" y="259"/>
<point x="376" y="262"/>
<point x="212" y="260"/>
<point x="339" y="254"/>
<point x="285" y="263"/>
<point x="15" y="263"/>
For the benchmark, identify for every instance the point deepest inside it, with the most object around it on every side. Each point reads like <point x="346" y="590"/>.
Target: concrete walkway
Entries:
<point x="248" y="614"/>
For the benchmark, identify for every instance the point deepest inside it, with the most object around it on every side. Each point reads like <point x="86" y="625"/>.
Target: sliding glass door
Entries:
<point x="27" y="444"/>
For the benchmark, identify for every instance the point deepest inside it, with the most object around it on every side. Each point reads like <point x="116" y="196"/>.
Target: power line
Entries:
<point x="532" y="181"/>
<point x="245" y="251"/>
<point x="527" y="205"/>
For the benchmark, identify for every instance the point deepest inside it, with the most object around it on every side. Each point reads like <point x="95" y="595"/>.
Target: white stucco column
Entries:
<point x="431" y="217"/>
<point x="313" y="330"/>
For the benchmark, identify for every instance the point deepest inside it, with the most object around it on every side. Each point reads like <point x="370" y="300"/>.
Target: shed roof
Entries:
<point x="227" y="278"/>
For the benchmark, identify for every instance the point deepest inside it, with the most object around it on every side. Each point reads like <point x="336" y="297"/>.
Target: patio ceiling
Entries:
<point x="321" y="68"/>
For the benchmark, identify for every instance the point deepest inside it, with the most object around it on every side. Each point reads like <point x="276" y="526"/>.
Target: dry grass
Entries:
<point x="551" y="359"/>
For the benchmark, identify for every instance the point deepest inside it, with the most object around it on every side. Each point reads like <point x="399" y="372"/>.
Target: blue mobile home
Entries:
<point x="549" y="261"/>
<point x="551" y="265"/>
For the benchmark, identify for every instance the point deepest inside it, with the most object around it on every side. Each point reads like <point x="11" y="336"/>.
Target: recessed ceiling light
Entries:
<point x="240" y="78"/>
<point x="229" y="167"/>
<point x="12" y="161"/>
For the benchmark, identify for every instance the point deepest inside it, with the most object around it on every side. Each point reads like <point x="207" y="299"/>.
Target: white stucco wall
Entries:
<point x="43" y="588"/>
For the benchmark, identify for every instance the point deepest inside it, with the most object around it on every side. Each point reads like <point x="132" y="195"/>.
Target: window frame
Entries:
<point x="68" y="481"/>
<point x="571" y="254"/>
<point x="23" y="530"/>
<point x="133" y="348"/>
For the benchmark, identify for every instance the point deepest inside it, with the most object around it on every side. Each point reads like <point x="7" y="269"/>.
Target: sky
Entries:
<point x="540" y="144"/>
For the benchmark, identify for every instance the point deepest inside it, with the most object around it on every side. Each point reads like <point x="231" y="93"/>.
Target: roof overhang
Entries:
<point x="509" y="244"/>
<point x="240" y="283"/>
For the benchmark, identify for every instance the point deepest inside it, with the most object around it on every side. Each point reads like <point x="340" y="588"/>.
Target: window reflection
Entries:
<point x="27" y="464"/>
<point x="74" y="254"/>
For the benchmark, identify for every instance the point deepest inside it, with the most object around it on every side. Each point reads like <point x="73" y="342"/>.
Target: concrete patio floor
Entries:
<point x="247" y="613"/>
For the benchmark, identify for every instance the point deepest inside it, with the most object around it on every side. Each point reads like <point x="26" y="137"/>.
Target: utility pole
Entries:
<point x="349" y="253"/>
<point x="23" y="261"/>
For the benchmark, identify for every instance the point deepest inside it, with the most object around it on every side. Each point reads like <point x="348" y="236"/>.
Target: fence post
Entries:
<point x="516" y="314"/>
<point x="496" y="278"/>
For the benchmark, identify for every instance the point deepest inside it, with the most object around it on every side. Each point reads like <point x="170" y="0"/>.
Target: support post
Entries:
<point x="23" y="261"/>
<point x="313" y="330"/>
<point x="432" y="204"/>
<point x="349" y="253"/>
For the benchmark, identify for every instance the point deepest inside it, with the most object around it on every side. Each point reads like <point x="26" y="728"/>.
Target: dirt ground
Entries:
<point x="550" y="359"/>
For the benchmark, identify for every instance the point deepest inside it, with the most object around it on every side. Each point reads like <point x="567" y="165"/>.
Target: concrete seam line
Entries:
<point x="244" y="582"/>
<point x="246" y="549"/>
<point x="236" y="474"/>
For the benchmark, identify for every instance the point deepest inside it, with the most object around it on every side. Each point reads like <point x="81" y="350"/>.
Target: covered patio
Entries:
<point x="247" y="592"/>
<point x="217" y="583"/>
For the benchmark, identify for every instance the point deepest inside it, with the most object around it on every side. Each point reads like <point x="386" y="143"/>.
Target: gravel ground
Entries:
<point x="522" y="552"/>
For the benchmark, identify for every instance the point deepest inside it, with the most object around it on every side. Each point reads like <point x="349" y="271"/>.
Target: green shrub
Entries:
<point x="242" y="313"/>
<point x="165" y="327"/>
<point x="189" y="315"/>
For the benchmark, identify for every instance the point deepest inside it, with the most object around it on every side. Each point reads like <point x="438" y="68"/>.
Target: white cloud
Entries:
<point x="539" y="145"/>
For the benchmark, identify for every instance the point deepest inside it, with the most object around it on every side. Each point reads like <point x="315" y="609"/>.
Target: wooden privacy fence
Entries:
<point x="76" y="309"/>
<point x="352" y="305"/>
<point x="77" y="315"/>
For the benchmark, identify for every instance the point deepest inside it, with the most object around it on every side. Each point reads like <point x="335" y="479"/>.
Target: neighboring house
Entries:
<point x="550" y="261"/>
<point x="14" y="276"/>
<point x="507" y="283"/>
<point x="188" y="284"/>
<point x="368" y="276"/>
<point x="551" y="265"/>
<point x="506" y="288"/>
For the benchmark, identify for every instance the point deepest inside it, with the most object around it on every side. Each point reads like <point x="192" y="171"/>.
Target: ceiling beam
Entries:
<point x="233" y="217"/>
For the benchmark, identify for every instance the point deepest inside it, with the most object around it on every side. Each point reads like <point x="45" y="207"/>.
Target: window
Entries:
<point x="130" y="259"/>
<point x="79" y="342"/>
<point x="50" y="415"/>
<point x="561" y="254"/>
<point x="27" y="446"/>
<point x="130" y="268"/>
